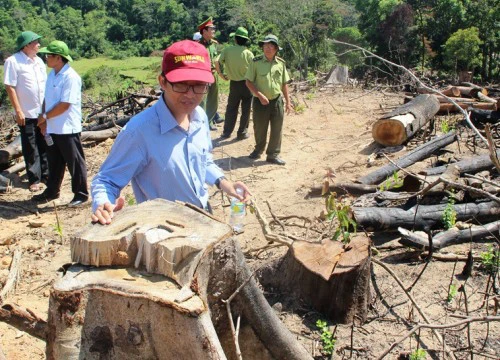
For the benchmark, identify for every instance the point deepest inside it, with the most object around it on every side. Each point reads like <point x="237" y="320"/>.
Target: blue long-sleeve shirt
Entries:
<point x="160" y="158"/>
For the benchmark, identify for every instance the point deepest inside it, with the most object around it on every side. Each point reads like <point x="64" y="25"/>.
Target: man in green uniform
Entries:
<point x="267" y="79"/>
<point x="236" y="59"/>
<point x="211" y="101"/>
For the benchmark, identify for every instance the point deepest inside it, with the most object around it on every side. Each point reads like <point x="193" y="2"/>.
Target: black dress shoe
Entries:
<point x="254" y="155"/>
<point x="242" y="136"/>
<point x="212" y="127"/>
<point x="45" y="197"/>
<point x="77" y="202"/>
<point x="218" y="119"/>
<point x="224" y="136"/>
<point x="276" y="161"/>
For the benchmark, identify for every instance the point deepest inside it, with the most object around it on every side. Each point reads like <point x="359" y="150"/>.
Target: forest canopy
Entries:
<point x="443" y="35"/>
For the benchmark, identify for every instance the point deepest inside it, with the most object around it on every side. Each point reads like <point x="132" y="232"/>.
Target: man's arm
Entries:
<point x="253" y="89"/>
<point x="288" y="105"/>
<point x="11" y="92"/>
<point x="57" y="110"/>
<point x="219" y="71"/>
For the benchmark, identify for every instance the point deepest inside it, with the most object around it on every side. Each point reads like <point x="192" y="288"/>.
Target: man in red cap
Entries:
<point x="165" y="151"/>
<point x="211" y="102"/>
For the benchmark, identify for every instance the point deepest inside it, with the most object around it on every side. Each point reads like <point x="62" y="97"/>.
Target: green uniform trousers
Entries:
<point x="263" y="116"/>
<point x="238" y="93"/>
<point x="211" y="101"/>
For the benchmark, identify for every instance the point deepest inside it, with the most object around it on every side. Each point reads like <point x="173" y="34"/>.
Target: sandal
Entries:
<point x="36" y="187"/>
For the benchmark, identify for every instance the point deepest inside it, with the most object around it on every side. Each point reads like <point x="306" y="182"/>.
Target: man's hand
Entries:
<point x="288" y="108"/>
<point x="230" y="188"/>
<point x="263" y="99"/>
<point x="105" y="212"/>
<point x="42" y="124"/>
<point x="20" y="118"/>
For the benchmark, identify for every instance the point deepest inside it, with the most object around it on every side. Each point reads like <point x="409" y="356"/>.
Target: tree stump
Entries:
<point x="123" y="312"/>
<point x="332" y="277"/>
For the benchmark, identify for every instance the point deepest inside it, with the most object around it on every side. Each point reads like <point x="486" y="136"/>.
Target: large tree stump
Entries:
<point x="126" y="313"/>
<point x="332" y="277"/>
<point x="402" y="123"/>
<point x="11" y="151"/>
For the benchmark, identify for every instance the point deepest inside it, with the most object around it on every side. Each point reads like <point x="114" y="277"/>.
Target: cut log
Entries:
<point x="452" y="91"/>
<point x="118" y="313"/>
<point x="470" y="165"/>
<point x="485" y="98"/>
<point x="18" y="167"/>
<point x="421" y="152"/>
<point x="451" y="108"/>
<point x="470" y="91"/>
<point x="427" y="216"/>
<point x="402" y="123"/>
<point x="24" y="320"/>
<point x="333" y="278"/>
<point x="100" y="135"/>
<point x="344" y="188"/>
<point x="11" y="151"/>
<point x="449" y="237"/>
<point x="485" y="116"/>
<point x="109" y="124"/>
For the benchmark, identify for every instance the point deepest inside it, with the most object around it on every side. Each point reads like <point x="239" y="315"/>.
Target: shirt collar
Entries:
<point x="26" y="57"/>
<point x="168" y="122"/>
<point x="63" y="69"/>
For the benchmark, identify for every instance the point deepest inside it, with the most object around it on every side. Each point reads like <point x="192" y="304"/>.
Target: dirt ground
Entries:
<point x="333" y="132"/>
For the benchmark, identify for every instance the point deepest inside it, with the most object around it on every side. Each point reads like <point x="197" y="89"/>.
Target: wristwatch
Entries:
<point x="44" y="115"/>
<point x="217" y="182"/>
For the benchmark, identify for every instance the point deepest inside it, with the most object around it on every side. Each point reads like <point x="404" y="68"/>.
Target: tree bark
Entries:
<point x="421" y="152"/>
<point x="451" y="91"/>
<point x="470" y="165"/>
<point x="402" y="123"/>
<point x="449" y="237"/>
<point x="344" y="188"/>
<point x="470" y="91"/>
<point x="4" y="184"/>
<point x="451" y="108"/>
<point x="24" y="320"/>
<point x="11" y="151"/>
<point x="427" y="216"/>
<point x="18" y="167"/>
<point x="100" y="135"/>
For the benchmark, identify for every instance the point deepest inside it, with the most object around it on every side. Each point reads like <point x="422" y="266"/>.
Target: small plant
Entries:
<point x="452" y="292"/>
<point x="449" y="214"/>
<point x="299" y="108"/>
<point x="419" y="354"/>
<point x="446" y="127"/>
<point x="392" y="182"/>
<point x="130" y="199"/>
<point x="342" y="213"/>
<point x="309" y="96"/>
<point x="327" y="339"/>
<point x="491" y="259"/>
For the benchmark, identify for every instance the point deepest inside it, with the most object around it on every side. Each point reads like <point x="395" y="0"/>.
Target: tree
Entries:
<point x="462" y="49"/>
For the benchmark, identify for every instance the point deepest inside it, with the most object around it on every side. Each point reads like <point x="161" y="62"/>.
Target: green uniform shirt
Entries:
<point x="268" y="76"/>
<point x="236" y="59"/>
<point x="212" y="51"/>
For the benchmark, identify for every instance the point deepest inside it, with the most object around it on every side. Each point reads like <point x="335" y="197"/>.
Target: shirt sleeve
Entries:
<point x="213" y="171"/>
<point x="250" y="75"/>
<point x="10" y="73"/>
<point x="286" y="77"/>
<point x="118" y="169"/>
<point x="71" y="91"/>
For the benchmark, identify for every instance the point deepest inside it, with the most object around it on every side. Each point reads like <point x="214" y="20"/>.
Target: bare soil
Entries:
<point x="332" y="133"/>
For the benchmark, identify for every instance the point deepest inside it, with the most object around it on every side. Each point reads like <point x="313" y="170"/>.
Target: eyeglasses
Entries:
<point x="181" y="87"/>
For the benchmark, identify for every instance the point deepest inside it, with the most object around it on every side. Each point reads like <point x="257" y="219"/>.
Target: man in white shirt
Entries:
<point x="62" y="120"/>
<point x="24" y="79"/>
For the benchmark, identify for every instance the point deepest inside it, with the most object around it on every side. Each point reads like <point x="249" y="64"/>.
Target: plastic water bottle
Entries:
<point x="48" y="139"/>
<point x="237" y="212"/>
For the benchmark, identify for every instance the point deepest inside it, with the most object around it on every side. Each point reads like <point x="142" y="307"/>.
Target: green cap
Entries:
<point x="271" y="38"/>
<point x="25" y="38"/>
<point x="240" y="32"/>
<point x="58" y="48"/>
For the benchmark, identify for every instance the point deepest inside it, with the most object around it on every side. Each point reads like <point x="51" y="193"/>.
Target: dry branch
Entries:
<point x="24" y="320"/>
<point x="13" y="278"/>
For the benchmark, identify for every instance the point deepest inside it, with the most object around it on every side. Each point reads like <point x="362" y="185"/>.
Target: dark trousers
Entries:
<point x="238" y="93"/>
<point x="210" y="101"/>
<point x="265" y="116"/>
<point x="34" y="152"/>
<point x="67" y="151"/>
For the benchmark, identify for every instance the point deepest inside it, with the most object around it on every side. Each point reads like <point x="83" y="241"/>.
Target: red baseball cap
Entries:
<point x="187" y="60"/>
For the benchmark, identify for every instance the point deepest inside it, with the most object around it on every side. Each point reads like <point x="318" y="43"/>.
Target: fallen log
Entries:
<point x="124" y="313"/>
<point x="109" y="124"/>
<point x="24" y="320"/>
<point x="421" y="152"/>
<point x="471" y="91"/>
<point x="449" y="237"/>
<point x="99" y="135"/>
<point x="485" y="98"/>
<point x="469" y="165"/>
<point x="451" y="91"/>
<point x="423" y="216"/>
<point x="12" y="279"/>
<point x="451" y="108"/>
<point x="485" y="116"/>
<point x="402" y="123"/>
<point x="18" y="167"/>
<point x="344" y="188"/>
<point x="11" y="151"/>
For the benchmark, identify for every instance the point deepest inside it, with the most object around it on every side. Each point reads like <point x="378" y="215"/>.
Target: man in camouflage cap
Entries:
<point x="267" y="79"/>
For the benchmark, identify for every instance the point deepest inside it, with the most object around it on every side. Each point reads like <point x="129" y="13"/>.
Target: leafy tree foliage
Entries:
<point x="462" y="49"/>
